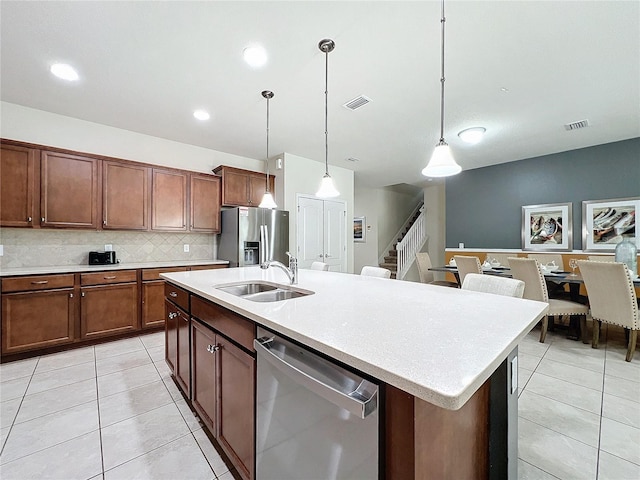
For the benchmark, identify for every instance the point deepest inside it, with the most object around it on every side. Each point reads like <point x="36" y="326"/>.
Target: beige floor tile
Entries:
<point x="189" y="416"/>
<point x="621" y="387"/>
<point x="18" y="369"/>
<point x="126" y="440"/>
<point x="571" y="374"/>
<point x="577" y="357"/>
<point x="621" y="410"/>
<point x="130" y="403"/>
<point x="123" y="361"/>
<point x="524" y="376"/>
<point x="555" y="453"/>
<point x="212" y="455"/>
<point x="179" y="459"/>
<point x="44" y="432"/>
<point x="127" y="379"/>
<point x="569" y="393"/>
<point x="8" y="412"/>
<point x="56" y="400"/>
<point x="65" y="359"/>
<point x="156" y="353"/>
<point x="78" y="458"/>
<point x="620" y="440"/>
<point x="153" y="340"/>
<point x="611" y="467"/>
<point x="14" y="388"/>
<point x="533" y="347"/>
<point x="118" y="347"/>
<point x="617" y="366"/>
<point x="528" y="362"/>
<point x="63" y="376"/>
<point x="562" y="418"/>
<point x="526" y="471"/>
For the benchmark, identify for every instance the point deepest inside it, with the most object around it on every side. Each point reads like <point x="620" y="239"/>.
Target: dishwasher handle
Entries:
<point x="361" y="402"/>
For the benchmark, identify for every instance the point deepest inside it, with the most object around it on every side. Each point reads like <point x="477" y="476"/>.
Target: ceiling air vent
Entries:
<point x="357" y="102"/>
<point x="577" y="125"/>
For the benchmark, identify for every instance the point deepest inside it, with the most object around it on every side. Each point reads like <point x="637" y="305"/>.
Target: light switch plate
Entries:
<point x="514" y="375"/>
<point x="108" y="247"/>
<point x="186" y="248"/>
<point x="1" y="250"/>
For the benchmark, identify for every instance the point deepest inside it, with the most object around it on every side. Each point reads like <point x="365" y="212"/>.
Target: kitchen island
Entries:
<point x="444" y="356"/>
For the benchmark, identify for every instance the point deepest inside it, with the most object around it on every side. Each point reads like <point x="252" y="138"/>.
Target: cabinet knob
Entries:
<point x="173" y="294"/>
<point x="42" y="219"/>
<point x="172" y="315"/>
<point x="29" y="219"/>
<point x="71" y="295"/>
<point x="104" y="222"/>
<point x="82" y="294"/>
<point x="213" y="348"/>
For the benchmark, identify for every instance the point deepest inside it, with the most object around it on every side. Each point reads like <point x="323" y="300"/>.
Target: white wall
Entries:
<point x="44" y="128"/>
<point x="302" y="175"/>
<point x="434" y="202"/>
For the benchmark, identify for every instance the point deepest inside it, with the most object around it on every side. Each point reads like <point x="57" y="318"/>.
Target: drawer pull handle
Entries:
<point x="71" y="295"/>
<point x="40" y="282"/>
<point x="213" y="348"/>
<point x="111" y="277"/>
<point x="172" y="315"/>
<point x="173" y="294"/>
<point x="29" y="219"/>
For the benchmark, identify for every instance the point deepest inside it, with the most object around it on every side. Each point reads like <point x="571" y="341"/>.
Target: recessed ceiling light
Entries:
<point x="255" y="56"/>
<point x="201" y="115"/>
<point x="472" y="135"/>
<point x="504" y="89"/>
<point x="64" y="71"/>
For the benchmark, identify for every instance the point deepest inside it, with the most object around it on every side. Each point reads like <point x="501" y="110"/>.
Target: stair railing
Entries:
<point x="419" y="208"/>
<point x="411" y="244"/>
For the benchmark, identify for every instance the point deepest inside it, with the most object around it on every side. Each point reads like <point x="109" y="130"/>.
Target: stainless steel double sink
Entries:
<point x="260" y="291"/>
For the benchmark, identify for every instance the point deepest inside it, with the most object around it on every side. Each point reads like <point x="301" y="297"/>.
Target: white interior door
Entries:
<point x="335" y="246"/>
<point x="321" y="233"/>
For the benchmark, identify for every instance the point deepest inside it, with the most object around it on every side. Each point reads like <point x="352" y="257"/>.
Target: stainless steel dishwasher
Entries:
<point x="315" y="419"/>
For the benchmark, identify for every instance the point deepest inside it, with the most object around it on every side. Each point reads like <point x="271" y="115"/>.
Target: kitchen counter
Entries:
<point x="6" y="272"/>
<point x="439" y="344"/>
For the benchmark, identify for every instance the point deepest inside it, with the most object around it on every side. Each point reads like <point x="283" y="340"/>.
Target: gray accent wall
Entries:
<point x="484" y="205"/>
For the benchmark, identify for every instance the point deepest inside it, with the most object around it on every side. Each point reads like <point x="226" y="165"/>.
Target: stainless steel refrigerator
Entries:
<point x="240" y="236"/>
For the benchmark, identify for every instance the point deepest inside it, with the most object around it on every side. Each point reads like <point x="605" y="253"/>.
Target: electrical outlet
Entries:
<point x="108" y="247"/>
<point x="186" y="247"/>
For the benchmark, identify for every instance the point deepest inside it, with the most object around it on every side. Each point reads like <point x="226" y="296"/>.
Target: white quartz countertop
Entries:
<point x="437" y="343"/>
<point x="6" y="272"/>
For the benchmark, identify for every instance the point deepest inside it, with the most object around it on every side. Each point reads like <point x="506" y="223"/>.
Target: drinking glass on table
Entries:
<point x="573" y="263"/>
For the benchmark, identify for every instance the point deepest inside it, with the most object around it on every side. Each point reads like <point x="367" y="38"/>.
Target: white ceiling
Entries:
<point x="145" y="66"/>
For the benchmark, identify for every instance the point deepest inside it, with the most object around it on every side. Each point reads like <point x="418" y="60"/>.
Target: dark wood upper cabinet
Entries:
<point x="125" y="190"/>
<point x="69" y="191"/>
<point x="19" y="186"/>
<point x="169" y="200"/>
<point x="205" y="203"/>
<point x="243" y="188"/>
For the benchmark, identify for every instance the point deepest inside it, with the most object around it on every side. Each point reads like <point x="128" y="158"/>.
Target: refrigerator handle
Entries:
<point x="264" y="246"/>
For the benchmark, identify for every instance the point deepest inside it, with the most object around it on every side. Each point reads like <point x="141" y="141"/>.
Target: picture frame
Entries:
<point x="359" y="229"/>
<point x="605" y="223"/>
<point x="547" y="227"/>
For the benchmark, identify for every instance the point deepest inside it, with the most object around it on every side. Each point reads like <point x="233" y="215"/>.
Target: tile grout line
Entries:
<point x="95" y="366"/>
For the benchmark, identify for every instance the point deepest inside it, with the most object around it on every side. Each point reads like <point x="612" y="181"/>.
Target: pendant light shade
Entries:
<point x="267" y="199"/>
<point x="442" y="163"/>
<point x="327" y="187"/>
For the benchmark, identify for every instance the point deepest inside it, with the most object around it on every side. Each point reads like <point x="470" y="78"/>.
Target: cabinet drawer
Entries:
<point x="104" y="278"/>
<point x="234" y="326"/>
<point x="208" y="267"/>
<point x="154" y="273"/>
<point x="36" y="282"/>
<point x="177" y="295"/>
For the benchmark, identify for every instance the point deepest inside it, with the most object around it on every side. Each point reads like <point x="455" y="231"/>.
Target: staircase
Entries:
<point x="391" y="261"/>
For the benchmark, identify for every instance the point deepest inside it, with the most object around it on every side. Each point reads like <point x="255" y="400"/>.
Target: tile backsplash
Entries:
<point x="26" y="247"/>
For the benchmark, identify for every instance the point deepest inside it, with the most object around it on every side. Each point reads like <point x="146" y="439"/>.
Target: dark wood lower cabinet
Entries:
<point x="152" y="304"/>
<point x="237" y="400"/>
<point x="108" y="309"/>
<point x="183" y="368"/>
<point x="40" y="319"/>
<point x="171" y="335"/>
<point x="204" y="391"/>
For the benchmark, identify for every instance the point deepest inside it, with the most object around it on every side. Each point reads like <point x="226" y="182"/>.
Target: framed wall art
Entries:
<point x="547" y="227"/>
<point x="605" y="223"/>
<point x="359" y="229"/>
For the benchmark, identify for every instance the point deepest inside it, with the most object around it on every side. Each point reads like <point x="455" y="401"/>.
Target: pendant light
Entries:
<point x="327" y="188"/>
<point x="267" y="199"/>
<point x="442" y="163"/>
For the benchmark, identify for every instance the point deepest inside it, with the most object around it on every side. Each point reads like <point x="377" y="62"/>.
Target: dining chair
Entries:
<point x="602" y="258"/>
<point x="319" y="266"/>
<point x="467" y="264"/>
<point x="509" y="287"/>
<point x="535" y="288"/>
<point x="612" y="299"/>
<point x="375" y="272"/>
<point x="556" y="289"/>
<point x="503" y="258"/>
<point x="423" y="262"/>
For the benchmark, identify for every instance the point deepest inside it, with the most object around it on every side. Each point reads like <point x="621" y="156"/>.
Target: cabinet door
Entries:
<point x="153" y="304"/>
<point x="169" y="201"/>
<point x="32" y="320"/>
<point x="108" y="309"/>
<point x="125" y="204"/>
<point x="171" y="335"/>
<point x="205" y="203"/>
<point x="257" y="188"/>
<point x="235" y="190"/>
<point x="18" y="189"/>
<point x="204" y="393"/>
<point x="69" y="191"/>
<point x="183" y="368"/>
<point x="237" y="402"/>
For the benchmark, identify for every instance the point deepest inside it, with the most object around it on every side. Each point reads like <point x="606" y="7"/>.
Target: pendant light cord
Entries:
<point x="442" y="22"/>
<point x="326" y="113"/>
<point x="267" y="160"/>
